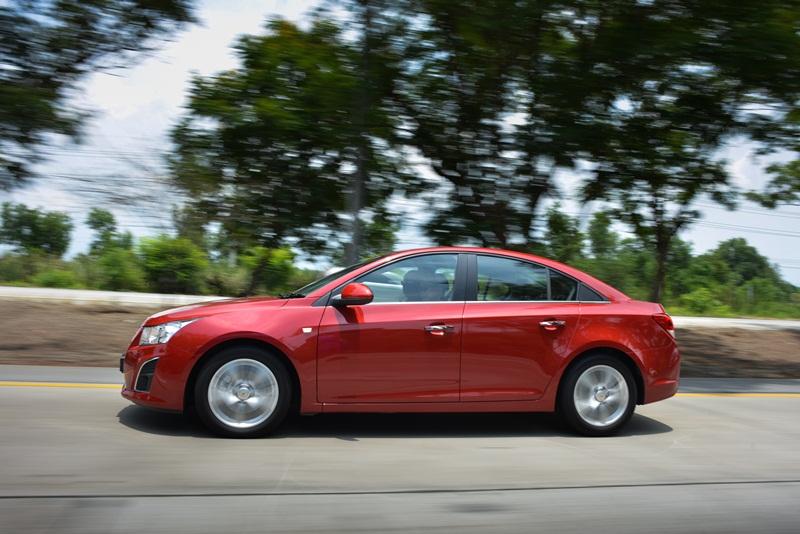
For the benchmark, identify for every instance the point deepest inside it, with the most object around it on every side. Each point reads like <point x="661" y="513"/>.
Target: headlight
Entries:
<point x="154" y="335"/>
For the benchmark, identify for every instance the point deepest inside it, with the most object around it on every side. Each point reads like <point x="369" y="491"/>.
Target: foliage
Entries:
<point x="269" y="269"/>
<point x="279" y="136"/>
<point x="60" y="278"/>
<point x="173" y="264"/>
<point x="564" y="238"/>
<point x="732" y="279"/>
<point x="32" y="230"/>
<point x="107" y="237"/>
<point x="120" y="270"/>
<point x="45" y="47"/>
<point x="784" y="188"/>
<point x="640" y="96"/>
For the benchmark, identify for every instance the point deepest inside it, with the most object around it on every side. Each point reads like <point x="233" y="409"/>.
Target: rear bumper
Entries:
<point x="661" y="373"/>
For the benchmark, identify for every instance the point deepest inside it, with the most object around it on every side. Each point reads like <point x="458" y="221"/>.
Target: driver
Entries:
<point x="422" y="286"/>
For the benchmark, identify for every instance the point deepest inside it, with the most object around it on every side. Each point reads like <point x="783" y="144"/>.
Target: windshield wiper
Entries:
<point x="293" y="295"/>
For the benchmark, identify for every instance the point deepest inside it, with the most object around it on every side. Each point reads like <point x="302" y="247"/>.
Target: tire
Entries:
<point x="597" y="396"/>
<point x="243" y="392"/>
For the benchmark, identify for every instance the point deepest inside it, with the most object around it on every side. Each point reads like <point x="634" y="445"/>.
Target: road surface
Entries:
<point x="81" y="459"/>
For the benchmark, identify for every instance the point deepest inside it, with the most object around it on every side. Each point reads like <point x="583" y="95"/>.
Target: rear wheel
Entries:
<point x="243" y="392"/>
<point x="597" y="396"/>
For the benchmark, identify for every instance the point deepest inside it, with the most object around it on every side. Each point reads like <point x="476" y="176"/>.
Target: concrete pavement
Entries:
<point x="90" y="296"/>
<point x="84" y="460"/>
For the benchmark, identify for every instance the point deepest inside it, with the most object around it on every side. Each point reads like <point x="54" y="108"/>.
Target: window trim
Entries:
<point x="472" y="282"/>
<point x="459" y="280"/>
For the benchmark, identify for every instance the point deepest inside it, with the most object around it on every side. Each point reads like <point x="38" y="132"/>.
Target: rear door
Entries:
<point x="518" y="321"/>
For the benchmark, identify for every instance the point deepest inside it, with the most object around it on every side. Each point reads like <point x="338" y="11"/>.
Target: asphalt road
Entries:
<point x="81" y="459"/>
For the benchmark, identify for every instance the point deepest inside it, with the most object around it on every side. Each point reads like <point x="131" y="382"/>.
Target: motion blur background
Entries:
<point x="153" y="148"/>
<point x="234" y="148"/>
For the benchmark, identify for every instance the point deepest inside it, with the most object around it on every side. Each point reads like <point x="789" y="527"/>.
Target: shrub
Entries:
<point x="173" y="264"/>
<point x="270" y="268"/>
<point x="56" y="278"/>
<point x="702" y="301"/>
<point x="120" y="271"/>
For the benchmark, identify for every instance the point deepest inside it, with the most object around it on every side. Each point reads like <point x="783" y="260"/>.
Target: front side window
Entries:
<point x="509" y="279"/>
<point x="427" y="278"/>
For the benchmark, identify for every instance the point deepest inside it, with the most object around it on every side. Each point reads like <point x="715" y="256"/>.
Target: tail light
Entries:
<point x="665" y="322"/>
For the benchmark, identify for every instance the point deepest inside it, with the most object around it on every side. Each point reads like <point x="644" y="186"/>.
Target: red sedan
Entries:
<point x="449" y="329"/>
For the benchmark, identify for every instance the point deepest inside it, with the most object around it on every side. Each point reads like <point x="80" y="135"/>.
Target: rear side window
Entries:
<point x="507" y="279"/>
<point x="562" y="287"/>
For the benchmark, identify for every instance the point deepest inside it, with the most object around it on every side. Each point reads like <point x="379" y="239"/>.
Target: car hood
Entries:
<point x="204" y="309"/>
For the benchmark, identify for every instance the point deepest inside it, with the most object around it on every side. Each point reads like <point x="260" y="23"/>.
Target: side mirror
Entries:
<point x="353" y="295"/>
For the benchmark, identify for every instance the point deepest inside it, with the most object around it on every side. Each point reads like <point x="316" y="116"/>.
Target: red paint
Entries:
<point x="414" y="356"/>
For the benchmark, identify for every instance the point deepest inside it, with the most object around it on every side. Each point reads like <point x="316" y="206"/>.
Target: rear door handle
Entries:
<point x="552" y="325"/>
<point x="439" y="329"/>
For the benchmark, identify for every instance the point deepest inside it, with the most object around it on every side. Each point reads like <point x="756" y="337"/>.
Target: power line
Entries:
<point x="747" y="229"/>
<point x="751" y="210"/>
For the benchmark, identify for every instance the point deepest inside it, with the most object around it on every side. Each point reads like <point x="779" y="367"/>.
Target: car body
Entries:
<point x="444" y="329"/>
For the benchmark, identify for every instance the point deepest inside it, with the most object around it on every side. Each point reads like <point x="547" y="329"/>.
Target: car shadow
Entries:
<point x="351" y="427"/>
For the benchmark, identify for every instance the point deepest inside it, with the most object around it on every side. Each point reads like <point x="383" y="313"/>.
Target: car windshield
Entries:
<point x="313" y="286"/>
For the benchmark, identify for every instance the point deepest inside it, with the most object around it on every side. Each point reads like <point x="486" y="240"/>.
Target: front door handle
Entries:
<point x="439" y="329"/>
<point x="552" y="325"/>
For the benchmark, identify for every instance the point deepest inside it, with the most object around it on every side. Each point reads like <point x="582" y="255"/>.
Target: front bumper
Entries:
<point x="153" y="377"/>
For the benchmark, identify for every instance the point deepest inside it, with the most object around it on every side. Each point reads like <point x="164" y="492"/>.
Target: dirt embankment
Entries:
<point x="94" y="335"/>
<point x="56" y="333"/>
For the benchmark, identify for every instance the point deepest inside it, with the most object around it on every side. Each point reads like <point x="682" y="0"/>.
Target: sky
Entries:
<point x="133" y="110"/>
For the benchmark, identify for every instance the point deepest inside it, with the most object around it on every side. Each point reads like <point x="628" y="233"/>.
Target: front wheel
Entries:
<point x="243" y="392"/>
<point x="597" y="396"/>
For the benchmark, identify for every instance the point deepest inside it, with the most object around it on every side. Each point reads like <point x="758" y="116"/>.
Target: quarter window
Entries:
<point x="428" y="278"/>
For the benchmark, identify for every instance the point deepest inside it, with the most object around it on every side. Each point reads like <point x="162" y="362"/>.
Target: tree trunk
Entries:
<point x="662" y="252"/>
<point x="356" y="199"/>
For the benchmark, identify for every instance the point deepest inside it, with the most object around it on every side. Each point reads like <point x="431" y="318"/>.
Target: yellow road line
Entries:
<point x="754" y="395"/>
<point x="78" y="385"/>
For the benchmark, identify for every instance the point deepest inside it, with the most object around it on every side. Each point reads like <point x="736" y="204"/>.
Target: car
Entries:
<point x="443" y="329"/>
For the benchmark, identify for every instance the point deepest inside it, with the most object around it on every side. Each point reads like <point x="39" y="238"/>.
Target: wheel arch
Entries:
<point x="188" y="393"/>
<point x="616" y="353"/>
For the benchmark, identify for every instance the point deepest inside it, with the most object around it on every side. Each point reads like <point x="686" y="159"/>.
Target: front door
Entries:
<point x="402" y="347"/>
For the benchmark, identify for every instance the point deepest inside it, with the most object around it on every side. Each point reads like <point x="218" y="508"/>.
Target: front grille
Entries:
<point x="145" y="378"/>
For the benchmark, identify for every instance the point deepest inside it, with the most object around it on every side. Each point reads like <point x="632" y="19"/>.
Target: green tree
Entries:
<point x="603" y="241"/>
<point x="563" y="237"/>
<point x="46" y="47"/>
<point x="379" y="237"/>
<point x="173" y="264"/>
<point x="686" y="84"/>
<point x="270" y="269"/>
<point x="106" y="235"/>
<point x="462" y="85"/>
<point x="744" y="261"/>
<point x="279" y="136"/>
<point x="783" y="188"/>
<point x="32" y="230"/>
